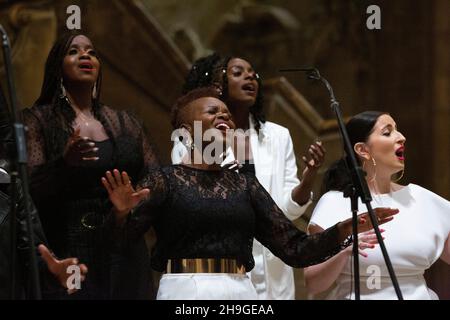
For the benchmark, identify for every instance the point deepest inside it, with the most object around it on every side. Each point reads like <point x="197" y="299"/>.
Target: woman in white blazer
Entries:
<point x="269" y="153"/>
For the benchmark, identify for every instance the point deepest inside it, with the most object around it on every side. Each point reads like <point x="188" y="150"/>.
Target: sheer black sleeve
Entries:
<point x="281" y="236"/>
<point x="144" y="215"/>
<point x="137" y="128"/>
<point x="43" y="172"/>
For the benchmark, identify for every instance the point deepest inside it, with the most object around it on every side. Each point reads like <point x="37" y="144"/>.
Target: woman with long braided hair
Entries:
<point x="72" y="140"/>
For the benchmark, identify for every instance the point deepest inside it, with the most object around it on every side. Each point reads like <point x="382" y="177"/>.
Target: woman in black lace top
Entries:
<point x="72" y="140"/>
<point x="206" y="217"/>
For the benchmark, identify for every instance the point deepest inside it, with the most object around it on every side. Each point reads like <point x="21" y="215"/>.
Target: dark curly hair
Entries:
<point x="185" y="100"/>
<point x="359" y="128"/>
<point x="59" y="124"/>
<point x="212" y="71"/>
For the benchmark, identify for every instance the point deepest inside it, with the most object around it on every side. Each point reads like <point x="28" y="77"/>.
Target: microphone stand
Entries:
<point x="357" y="189"/>
<point x="19" y="170"/>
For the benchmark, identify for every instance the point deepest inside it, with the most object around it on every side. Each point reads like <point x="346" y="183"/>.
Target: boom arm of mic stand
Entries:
<point x="359" y="188"/>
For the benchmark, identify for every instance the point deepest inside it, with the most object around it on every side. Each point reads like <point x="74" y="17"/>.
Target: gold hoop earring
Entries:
<point x="375" y="169"/>
<point x="63" y="94"/>
<point x="190" y="144"/>
<point x="94" y="91"/>
<point x="401" y="176"/>
<point x="185" y="138"/>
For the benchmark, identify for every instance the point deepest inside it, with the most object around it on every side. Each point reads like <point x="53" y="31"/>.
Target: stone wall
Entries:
<point x="147" y="46"/>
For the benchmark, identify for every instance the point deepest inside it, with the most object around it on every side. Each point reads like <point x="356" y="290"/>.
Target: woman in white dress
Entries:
<point x="414" y="240"/>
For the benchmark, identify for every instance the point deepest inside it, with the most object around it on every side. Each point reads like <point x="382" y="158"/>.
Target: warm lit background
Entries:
<point x="147" y="46"/>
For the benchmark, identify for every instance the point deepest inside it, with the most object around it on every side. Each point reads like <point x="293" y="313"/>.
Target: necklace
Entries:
<point x="84" y="118"/>
<point x="80" y="115"/>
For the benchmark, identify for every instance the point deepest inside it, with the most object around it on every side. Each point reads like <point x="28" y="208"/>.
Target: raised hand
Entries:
<point x="121" y="193"/>
<point x="59" y="268"/>
<point x="366" y="240"/>
<point x="383" y="215"/>
<point x="79" y="149"/>
<point x="317" y="154"/>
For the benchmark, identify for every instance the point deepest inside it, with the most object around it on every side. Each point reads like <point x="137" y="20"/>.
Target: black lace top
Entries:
<point x="216" y="214"/>
<point x="73" y="203"/>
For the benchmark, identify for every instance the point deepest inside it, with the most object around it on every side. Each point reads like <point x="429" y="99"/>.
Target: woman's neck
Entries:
<point x="204" y="166"/>
<point x="197" y="161"/>
<point x="380" y="185"/>
<point x="80" y="97"/>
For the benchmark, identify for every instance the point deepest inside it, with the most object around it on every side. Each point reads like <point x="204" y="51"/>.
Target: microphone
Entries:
<point x="311" y="73"/>
<point x="357" y="189"/>
<point x="314" y="74"/>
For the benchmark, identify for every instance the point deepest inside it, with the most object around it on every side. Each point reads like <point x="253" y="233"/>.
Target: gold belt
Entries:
<point x="204" y="266"/>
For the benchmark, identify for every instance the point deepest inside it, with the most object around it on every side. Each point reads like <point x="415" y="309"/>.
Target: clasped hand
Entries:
<point x="79" y="149"/>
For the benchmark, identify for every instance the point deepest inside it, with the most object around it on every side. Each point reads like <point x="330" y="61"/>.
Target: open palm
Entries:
<point x="121" y="192"/>
<point x="317" y="154"/>
<point x="59" y="268"/>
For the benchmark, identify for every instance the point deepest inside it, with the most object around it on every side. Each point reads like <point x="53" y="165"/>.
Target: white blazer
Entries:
<point x="276" y="170"/>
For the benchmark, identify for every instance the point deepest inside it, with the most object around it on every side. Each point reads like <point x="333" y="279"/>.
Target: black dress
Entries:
<point x="216" y="214"/>
<point x="73" y="203"/>
<point x="23" y="289"/>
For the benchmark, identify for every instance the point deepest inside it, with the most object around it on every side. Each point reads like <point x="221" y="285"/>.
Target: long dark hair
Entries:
<point x="359" y="128"/>
<point x="61" y="116"/>
<point x="212" y="70"/>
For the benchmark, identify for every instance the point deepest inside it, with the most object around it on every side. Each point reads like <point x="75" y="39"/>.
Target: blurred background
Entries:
<point x="147" y="46"/>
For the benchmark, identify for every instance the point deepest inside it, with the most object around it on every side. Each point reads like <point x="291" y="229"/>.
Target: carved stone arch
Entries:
<point x="31" y="29"/>
<point x="264" y="33"/>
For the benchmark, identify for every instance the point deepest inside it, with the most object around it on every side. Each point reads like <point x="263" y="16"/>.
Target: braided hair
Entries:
<point x="212" y="71"/>
<point x="61" y="116"/>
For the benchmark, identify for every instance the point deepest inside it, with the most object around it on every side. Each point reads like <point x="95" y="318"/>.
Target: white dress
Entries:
<point x="414" y="240"/>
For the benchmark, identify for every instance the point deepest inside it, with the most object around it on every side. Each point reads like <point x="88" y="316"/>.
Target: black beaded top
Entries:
<point x="216" y="214"/>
